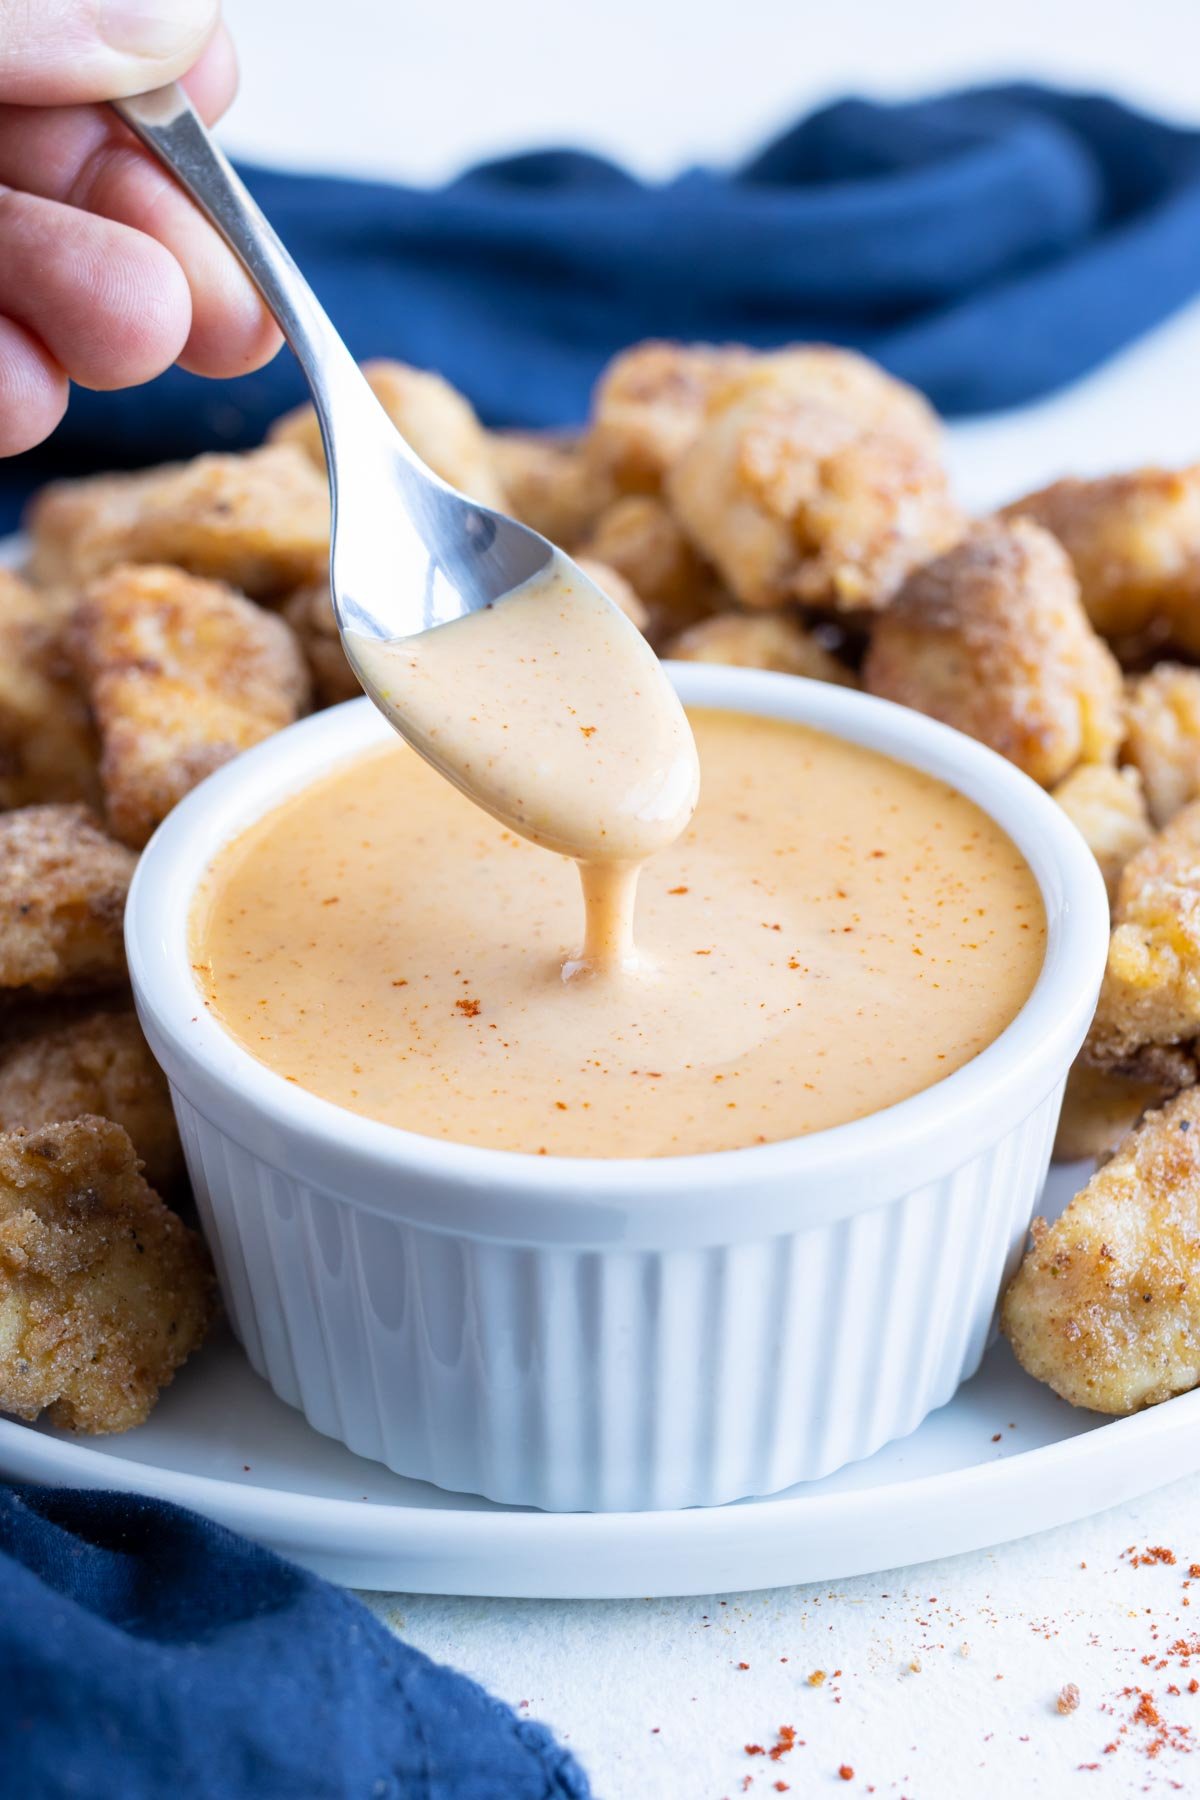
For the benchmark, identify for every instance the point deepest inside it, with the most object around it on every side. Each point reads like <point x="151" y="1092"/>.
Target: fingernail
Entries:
<point x="159" y="30"/>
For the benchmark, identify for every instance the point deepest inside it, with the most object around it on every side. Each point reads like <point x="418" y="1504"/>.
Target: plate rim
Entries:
<point x="322" y="1530"/>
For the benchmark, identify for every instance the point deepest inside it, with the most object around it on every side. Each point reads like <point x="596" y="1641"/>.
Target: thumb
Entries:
<point x="59" y="52"/>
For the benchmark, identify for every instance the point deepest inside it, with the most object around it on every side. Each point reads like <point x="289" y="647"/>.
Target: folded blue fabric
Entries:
<point x="988" y="246"/>
<point x="145" y="1653"/>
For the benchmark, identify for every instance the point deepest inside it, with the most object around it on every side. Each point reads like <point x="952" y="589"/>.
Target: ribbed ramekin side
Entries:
<point x="615" y="1379"/>
<point x="848" y="1335"/>
<point x="204" y="1148"/>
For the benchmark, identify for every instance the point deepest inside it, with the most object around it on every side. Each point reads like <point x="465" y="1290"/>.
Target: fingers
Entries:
<point x="46" y="150"/>
<point x="110" y="305"/>
<point x="60" y="52"/>
<point x="33" y="390"/>
<point x="231" y="331"/>
<point x="108" y="274"/>
<point x="212" y="81"/>
<point x="83" y="157"/>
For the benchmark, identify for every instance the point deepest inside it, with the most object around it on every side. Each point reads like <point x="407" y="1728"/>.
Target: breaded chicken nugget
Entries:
<point x="1135" y="542"/>
<point x="1162" y="736"/>
<point x="259" y="521"/>
<point x="551" y="483"/>
<point x="63" y="883"/>
<point x="75" y="527"/>
<point x="1105" y="1307"/>
<point x="797" y="499"/>
<point x="104" y="1292"/>
<point x="759" y="641"/>
<point x="616" y="587"/>
<point x="1101" y="1105"/>
<point x="59" y="1062"/>
<point x="433" y="417"/>
<point x="641" y="539"/>
<point x="48" y="749"/>
<point x="828" y="376"/>
<point x="991" y="638"/>
<point x="181" y="674"/>
<point x="1151" y="988"/>
<point x="1108" y="808"/>
<point x="648" y="406"/>
<point x="309" y="612"/>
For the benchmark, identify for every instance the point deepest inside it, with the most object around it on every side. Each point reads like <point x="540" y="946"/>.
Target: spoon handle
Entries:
<point x="169" y="126"/>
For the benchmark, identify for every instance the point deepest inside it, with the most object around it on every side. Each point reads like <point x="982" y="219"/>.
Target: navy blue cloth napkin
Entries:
<point x="988" y="246"/>
<point x="148" y="1655"/>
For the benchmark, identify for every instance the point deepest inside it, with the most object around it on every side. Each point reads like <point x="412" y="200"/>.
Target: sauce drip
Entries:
<point x="551" y="711"/>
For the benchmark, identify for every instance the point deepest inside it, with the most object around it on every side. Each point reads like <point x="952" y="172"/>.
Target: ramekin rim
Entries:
<point x="1044" y="1034"/>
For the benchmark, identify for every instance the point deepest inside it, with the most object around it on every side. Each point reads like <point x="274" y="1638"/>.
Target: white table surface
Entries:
<point x="950" y="1672"/>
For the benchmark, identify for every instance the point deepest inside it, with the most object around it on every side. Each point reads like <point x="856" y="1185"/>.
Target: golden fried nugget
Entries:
<point x="309" y="612"/>
<point x="62" y="1062"/>
<point x="648" y="406"/>
<point x="795" y="499"/>
<point x="181" y="674"/>
<point x="1135" y="542"/>
<point x="63" y="883"/>
<point x="1108" y="808"/>
<point x="653" y="399"/>
<point x="1105" y="1307"/>
<point x="433" y="417"/>
<point x="828" y="376"/>
<point x="641" y="539"/>
<point x="1151" y="988"/>
<point x="759" y="641"/>
<point x="48" y="749"/>
<point x="104" y="1292"/>
<point x="73" y="525"/>
<point x="259" y="521"/>
<point x="1162" y="736"/>
<point x="991" y="638"/>
<point x="551" y="483"/>
<point x="616" y="587"/>
<point x="1101" y="1105"/>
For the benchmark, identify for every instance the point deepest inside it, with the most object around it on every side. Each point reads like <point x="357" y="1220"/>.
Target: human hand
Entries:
<point x="108" y="273"/>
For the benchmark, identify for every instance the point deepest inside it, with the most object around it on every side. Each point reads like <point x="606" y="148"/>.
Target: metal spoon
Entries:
<point x="407" y="551"/>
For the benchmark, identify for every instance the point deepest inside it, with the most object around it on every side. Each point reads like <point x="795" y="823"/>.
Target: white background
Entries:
<point x="383" y="87"/>
<point x="410" y="92"/>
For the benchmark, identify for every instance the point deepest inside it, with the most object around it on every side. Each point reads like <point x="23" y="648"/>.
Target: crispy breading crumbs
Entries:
<point x="991" y="638"/>
<point x="104" y="1292"/>
<point x="182" y="673"/>
<point x="66" y="1060"/>
<point x="258" y="520"/>
<point x="63" y="883"/>
<point x="48" y="749"/>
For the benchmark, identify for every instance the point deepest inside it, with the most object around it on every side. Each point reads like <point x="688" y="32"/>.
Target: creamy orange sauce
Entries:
<point x="551" y="710"/>
<point x="831" y="933"/>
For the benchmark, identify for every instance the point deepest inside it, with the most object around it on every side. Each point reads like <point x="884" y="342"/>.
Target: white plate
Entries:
<point x="1004" y="1458"/>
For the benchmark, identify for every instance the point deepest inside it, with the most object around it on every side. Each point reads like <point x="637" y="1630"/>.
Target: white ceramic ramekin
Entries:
<point x="580" y="1334"/>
